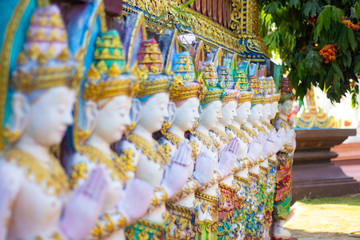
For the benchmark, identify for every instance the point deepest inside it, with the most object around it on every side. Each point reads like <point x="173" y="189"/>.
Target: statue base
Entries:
<point x="314" y="175"/>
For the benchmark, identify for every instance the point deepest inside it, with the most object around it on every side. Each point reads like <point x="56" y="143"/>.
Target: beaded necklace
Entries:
<point x="113" y="164"/>
<point x="269" y="126"/>
<point x="221" y="134"/>
<point x="206" y="140"/>
<point x="173" y="138"/>
<point x="239" y="134"/>
<point x="259" y="128"/>
<point x="158" y="155"/>
<point x="52" y="179"/>
<point x="249" y="131"/>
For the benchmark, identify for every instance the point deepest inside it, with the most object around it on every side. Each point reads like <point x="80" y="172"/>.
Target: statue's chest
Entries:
<point x="45" y="209"/>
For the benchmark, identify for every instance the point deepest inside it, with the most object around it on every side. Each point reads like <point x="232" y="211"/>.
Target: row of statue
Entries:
<point x="154" y="143"/>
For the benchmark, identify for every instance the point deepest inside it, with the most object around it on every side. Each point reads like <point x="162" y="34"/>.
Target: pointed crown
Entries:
<point x="210" y="74"/>
<point x="150" y="69"/>
<point x="245" y="96"/>
<point x="184" y="85"/>
<point x="258" y="97"/>
<point x="212" y="93"/>
<point x="45" y="60"/>
<point x="285" y="90"/>
<point x="108" y="50"/>
<point x="106" y="77"/>
<point x="241" y="76"/>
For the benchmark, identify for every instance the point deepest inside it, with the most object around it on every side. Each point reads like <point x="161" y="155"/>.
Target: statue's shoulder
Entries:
<point x="10" y="171"/>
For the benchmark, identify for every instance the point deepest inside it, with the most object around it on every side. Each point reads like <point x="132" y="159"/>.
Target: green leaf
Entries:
<point x="357" y="9"/>
<point x="336" y="84"/>
<point x="337" y="14"/>
<point x="149" y="15"/>
<point x="357" y="67"/>
<point x="187" y="4"/>
<point x="310" y="7"/>
<point x="294" y="3"/>
<point x="337" y="69"/>
<point x="329" y="77"/>
<point x="272" y="7"/>
<point x="160" y="17"/>
<point x="351" y="37"/>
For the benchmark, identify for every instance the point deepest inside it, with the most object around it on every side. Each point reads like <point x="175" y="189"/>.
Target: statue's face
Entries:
<point x="243" y="112"/>
<point x="285" y="107"/>
<point x="228" y="113"/>
<point x="187" y="114"/>
<point x="112" y="118"/>
<point x="266" y="112"/>
<point x="211" y="115"/>
<point x="154" y="111"/>
<point x="47" y="118"/>
<point x="273" y="109"/>
<point x="256" y="114"/>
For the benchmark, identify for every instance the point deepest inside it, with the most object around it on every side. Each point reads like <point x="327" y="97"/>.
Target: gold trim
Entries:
<point x="140" y="22"/>
<point x="42" y="3"/>
<point x="81" y="53"/>
<point x="5" y="59"/>
<point x="206" y="197"/>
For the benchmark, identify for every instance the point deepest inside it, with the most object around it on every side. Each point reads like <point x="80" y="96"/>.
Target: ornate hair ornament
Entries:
<point x="255" y="86"/>
<point x="150" y="70"/>
<point x="285" y="90"/>
<point x="106" y="77"/>
<point x="275" y="96"/>
<point x="45" y="61"/>
<point x="229" y="95"/>
<point x="227" y="84"/>
<point x="241" y="75"/>
<point x="184" y="85"/>
<point x="212" y="93"/>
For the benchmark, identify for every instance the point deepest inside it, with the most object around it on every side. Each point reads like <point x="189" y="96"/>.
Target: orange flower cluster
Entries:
<point x="351" y="25"/>
<point x="328" y="52"/>
<point x="312" y="20"/>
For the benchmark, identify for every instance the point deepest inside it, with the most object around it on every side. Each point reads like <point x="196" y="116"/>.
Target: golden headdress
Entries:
<point x="285" y="90"/>
<point x="106" y="77"/>
<point x="212" y="92"/>
<point x="150" y="67"/>
<point x="255" y="85"/>
<point x="45" y="61"/>
<point x="184" y="85"/>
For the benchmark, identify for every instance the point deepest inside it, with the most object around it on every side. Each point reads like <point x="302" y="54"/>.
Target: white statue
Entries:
<point x="36" y="202"/>
<point x="104" y="112"/>
<point x="207" y="196"/>
<point x="185" y="96"/>
<point x="149" y="161"/>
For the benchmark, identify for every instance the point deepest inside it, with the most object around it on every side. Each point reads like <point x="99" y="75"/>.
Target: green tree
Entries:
<point x="318" y="42"/>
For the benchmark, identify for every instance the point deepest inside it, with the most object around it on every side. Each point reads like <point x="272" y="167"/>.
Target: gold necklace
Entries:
<point x="206" y="140"/>
<point x="240" y="134"/>
<point x="52" y="179"/>
<point x="269" y="126"/>
<point x="173" y="138"/>
<point x="259" y="128"/>
<point x="221" y="134"/>
<point x="249" y="131"/>
<point x="159" y="155"/>
<point x="114" y="164"/>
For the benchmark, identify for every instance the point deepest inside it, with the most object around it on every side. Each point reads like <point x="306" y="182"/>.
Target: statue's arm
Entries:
<point x="109" y="221"/>
<point x="10" y="182"/>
